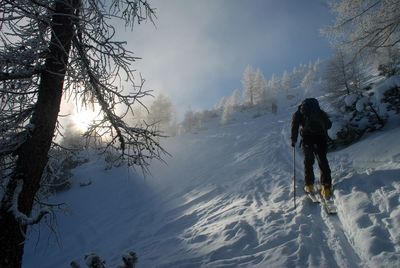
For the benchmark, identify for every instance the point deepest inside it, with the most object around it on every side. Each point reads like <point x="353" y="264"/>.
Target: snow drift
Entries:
<point x="224" y="199"/>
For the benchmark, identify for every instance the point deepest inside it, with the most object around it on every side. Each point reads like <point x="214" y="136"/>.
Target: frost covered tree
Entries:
<point x="286" y="82"/>
<point x="255" y="87"/>
<point x="260" y="84"/>
<point x="194" y="121"/>
<point x="343" y="76"/>
<point x="161" y="113"/>
<point x="387" y="61"/>
<point x="249" y="89"/>
<point x="308" y="80"/>
<point x="235" y="98"/>
<point x="220" y="104"/>
<point x="139" y="115"/>
<point x="72" y="138"/>
<point x="188" y="122"/>
<point x="298" y="74"/>
<point x="274" y="92"/>
<point x="274" y="84"/>
<point x="230" y="104"/>
<point x="365" y="25"/>
<point x="345" y="83"/>
<point x="50" y="49"/>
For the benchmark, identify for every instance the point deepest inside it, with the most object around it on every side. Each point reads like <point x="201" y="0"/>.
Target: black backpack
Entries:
<point x="314" y="122"/>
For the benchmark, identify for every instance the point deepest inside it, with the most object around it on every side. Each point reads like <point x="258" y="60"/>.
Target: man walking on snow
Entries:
<point x="314" y="124"/>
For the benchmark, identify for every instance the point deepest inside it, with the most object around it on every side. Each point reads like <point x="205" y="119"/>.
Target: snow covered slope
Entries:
<point x="225" y="200"/>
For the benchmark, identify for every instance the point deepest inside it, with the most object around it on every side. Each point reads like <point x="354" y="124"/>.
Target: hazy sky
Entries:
<point x="198" y="50"/>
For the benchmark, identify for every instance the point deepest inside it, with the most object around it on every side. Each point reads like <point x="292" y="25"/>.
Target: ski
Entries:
<point x="328" y="204"/>
<point x="312" y="197"/>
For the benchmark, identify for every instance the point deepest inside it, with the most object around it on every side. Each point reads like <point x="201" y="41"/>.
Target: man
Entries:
<point x="314" y="132"/>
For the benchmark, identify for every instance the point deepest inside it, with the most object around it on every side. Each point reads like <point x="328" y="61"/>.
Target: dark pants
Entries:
<point x="316" y="147"/>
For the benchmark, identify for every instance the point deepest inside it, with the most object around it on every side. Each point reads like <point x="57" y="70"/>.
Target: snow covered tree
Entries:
<point x="249" y="86"/>
<point x="387" y="61"/>
<point x="231" y="103"/>
<point x="274" y="92"/>
<point x="274" y="84"/>
<point x="188" y="121"/>
<point x="235" y="98"/>
<point x="343" y="76"/>
<point x="255" y="87"/>
<point x="260" y="85"/>
<point x="349" y="94"/>
<point x="316" y="65"/>
<point x="365" y="25"/>
<point x="220" y="104"/>
<point x="161" y="113"/>
<point x="139" y="115"/>
<point x="194" y="121"/>
<point x="50" y="49"/>
<point x="72" y="138"/>
<point x="298" y="74"/>
<point x="226" y="113"/>
<point x="286" y="82"/>
<point x="308" y="80"/>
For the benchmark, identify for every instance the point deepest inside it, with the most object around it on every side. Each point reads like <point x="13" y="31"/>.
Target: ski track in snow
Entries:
<point x="225" y="200"/>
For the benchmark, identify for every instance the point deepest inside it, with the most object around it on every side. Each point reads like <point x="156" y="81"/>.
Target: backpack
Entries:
<point x="314" y="122"/>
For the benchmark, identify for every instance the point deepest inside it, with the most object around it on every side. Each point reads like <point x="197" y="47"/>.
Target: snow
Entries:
<point x="369" y="198"/>
<point x="224" y="199"/>
<point x="349" y="100"/>
<point x="360" y="104"/>
<point x="336" y="127"/>
<point x="384" y="85"/>
<point x="21" y="217"/>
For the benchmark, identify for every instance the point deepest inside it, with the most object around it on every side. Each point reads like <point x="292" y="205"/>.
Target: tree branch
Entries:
<point x="358" y="15"/>
<point x="19" y="216"/>
<point x="4" y="76"/>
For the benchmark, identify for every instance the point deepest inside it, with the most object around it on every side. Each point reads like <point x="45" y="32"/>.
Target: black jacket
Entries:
<point x="298" y="120"/>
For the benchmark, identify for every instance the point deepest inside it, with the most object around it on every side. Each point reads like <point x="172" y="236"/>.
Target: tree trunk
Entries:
<point x="33" y="154"/>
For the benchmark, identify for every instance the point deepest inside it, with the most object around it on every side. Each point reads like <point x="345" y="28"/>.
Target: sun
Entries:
<point x="83" y="118"/>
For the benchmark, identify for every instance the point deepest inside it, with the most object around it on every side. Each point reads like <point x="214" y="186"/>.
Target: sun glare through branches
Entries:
<point x="82" y="118"/>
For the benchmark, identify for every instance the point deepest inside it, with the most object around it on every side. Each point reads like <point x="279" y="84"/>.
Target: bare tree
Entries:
<point x="50" y="49"/>
<point x="343" y="76"/>
<point x="365" y="25"/>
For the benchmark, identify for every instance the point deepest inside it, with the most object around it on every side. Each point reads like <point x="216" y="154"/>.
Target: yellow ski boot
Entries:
<point x="326" y="192"/>
<point x="309" y="188"/>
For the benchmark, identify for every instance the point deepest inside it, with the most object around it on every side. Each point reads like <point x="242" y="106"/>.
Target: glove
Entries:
<point x="293" y="144"/>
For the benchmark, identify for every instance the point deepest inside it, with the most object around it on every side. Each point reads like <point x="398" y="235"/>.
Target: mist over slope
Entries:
<point x="225" y="199"/>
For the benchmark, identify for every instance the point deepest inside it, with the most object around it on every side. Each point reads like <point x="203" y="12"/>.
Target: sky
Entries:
<point x="197" y="50"/>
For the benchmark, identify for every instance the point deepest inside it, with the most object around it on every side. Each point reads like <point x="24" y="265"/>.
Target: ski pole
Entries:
<point x="294" y="176"/>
